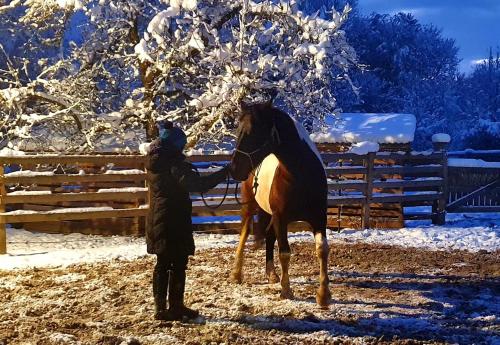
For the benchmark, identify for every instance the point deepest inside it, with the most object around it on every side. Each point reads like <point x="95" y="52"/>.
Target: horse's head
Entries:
<point x="256" y="138"/>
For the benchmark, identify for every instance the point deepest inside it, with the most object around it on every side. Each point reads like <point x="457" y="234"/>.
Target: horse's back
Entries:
<point x="277" y="189"/>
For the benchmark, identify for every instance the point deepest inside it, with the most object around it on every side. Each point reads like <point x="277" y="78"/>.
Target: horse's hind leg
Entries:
<point x="281" y="231"/>
<point x="247" y="221"/>
<point x="271" y="275"/>
<point x="323" y="295"/>
<point x="260" y="228"/>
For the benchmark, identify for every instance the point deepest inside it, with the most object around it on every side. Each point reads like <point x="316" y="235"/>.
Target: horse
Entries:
<point x="284" y="182"/>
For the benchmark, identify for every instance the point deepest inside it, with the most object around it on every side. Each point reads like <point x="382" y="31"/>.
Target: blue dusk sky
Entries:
<point x="474" y="24"/>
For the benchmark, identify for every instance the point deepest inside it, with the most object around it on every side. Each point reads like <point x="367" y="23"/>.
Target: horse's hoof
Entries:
<point x="273" y="278"/>
<point x="286" y="294"/>
<point x="258" y="244"/>
<point x="323" y="297"/>
<point x="236" y="278"/>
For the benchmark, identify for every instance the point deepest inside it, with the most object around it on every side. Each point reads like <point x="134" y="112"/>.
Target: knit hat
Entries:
<point x="173" y="135"/>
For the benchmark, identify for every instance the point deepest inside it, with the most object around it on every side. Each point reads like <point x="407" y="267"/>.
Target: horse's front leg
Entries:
<point x="247" y="222"/>
<point x="281" y="231"/>
<point x="323" y="295"/>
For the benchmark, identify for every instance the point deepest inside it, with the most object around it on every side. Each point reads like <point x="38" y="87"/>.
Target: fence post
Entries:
<point x="440" y="144"/>
<point x="365" y="221"/>
<point x="3" y="232"/>
<point x="149" y="201"/>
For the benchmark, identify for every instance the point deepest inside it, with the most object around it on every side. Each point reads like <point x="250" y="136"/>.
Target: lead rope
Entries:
<point x="213" y="207"/>
<point x="254" y="187"/>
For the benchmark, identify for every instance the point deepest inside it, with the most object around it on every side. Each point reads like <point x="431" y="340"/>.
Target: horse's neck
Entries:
<point x="295" y="148"/>
<point x="296" y="155"/>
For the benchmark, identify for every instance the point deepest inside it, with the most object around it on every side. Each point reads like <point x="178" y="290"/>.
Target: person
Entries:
<point x="169" y="232"/>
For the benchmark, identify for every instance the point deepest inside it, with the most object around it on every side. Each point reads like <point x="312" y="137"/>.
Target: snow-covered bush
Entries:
<point x="484" y="136"/>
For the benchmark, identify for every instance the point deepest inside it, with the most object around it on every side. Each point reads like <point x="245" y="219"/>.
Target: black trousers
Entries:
<point x="167" y="267"/>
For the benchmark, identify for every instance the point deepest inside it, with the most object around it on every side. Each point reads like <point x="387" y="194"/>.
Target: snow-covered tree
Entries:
<point x="58" y="95"/>
<point x="188" y="61"/>
<point x="480" y="100"/>
<point x="209" y="55"/>
<point x="410" y="67"/>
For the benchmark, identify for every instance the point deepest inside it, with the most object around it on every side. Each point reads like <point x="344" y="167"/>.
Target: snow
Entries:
<point x="63" y="338"/>
<point x="31" y="192"/>
<point x="158" y="24"/>
<point x="142" y="51"/>
<point x="196" y="42"/>
<point x="25" y="173"/>
<point x="70" y="4"/>
<point x="8" y="152"/>
<point x="124" y="172"/>
<point x="144" y="148"/>
<point x="59" y="210"/>
<point x="27" y="249"/>
<point x="202" y="152"/>
<point x="125" y="189"/>
<point x="364" y="147"/>
<point x="472" y="163"/>
<point x="190" y="5"/>
<point x="463" y="232"/>
<point x="358" y="127"/>
<point x="441" y="138"/>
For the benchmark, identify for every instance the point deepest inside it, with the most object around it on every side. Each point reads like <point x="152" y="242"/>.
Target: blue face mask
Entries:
<point x="161" y="131"/>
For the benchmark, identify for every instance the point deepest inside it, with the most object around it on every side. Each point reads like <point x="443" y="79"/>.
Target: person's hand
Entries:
<point x="227" y="168"/>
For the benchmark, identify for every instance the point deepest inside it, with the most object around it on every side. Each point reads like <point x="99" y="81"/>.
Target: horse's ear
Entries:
<point x="268" y="104"/>
<point x="245" y="108"/>
<point x="273" y="93"/>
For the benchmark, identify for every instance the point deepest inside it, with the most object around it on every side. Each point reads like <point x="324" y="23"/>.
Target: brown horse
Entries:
<point x="285" y="182"/>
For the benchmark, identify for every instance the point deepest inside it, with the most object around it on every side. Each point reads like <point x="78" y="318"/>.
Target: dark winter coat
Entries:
<point x="172" y="178"/>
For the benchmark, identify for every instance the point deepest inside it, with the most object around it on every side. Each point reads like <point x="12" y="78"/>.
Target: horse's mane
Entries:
<point x="293" y="129"/>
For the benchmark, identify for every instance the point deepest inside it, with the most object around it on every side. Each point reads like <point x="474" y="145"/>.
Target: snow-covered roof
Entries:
<point x="358" y="127"/>
<point x="472" y="163"/>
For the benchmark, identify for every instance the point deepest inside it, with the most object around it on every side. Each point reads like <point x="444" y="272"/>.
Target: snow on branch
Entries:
<point x="234" y="50"/>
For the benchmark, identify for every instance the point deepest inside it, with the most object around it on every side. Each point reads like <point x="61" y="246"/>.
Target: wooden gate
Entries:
<point x="473" y="189"/>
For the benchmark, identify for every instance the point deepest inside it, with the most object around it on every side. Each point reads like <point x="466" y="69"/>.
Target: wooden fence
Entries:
<point x="473" y="189"/>
<point x="365" y="190"/>
<point x="384" y="180"/>
<point x="51" y="196"/>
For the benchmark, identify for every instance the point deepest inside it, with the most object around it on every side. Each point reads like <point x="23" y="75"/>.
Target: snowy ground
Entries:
<point x="419" y="285"/>
<point x="472" y="232"/>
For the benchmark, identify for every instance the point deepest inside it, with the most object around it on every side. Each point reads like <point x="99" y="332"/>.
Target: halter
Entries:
<point x="274" y="138"/>
<point x="249" y="154"/>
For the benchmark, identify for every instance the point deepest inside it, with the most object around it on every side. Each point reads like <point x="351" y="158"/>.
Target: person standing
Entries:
<point x="169" y="232"/>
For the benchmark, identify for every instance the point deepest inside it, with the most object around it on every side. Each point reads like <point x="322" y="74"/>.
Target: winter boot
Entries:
<point x="160" y="289"/>
<point x="177" y="310"/>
